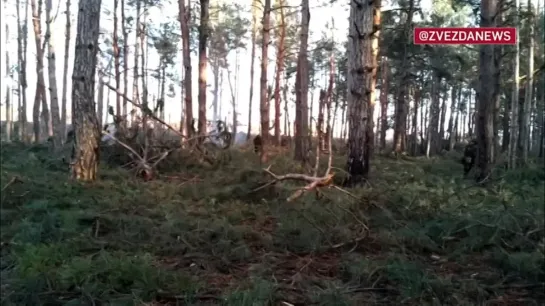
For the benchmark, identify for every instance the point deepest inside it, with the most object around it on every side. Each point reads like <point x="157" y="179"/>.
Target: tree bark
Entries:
<point x="40" y="96"/>
<point x="434" y="114"/>
<point x="400" y="130"/>
<point x="525" y="112"/>
<point x="252" y="64"/>
<point x="364" y="31"/>
<point x="125" y="60"/>
<point x="301" y="89"/>
<point x="443" y="119"/>
<point x="136" y="73"/>
<point x="185" y="16"/>
<point x="488" y="67"/>
<point x="86" y="147"/>
<point x="384" y="104"/>
<point x="203" y="38"/>
<point x="65" y="71"/>
<point x="115" y="45"/>
<point x="22" y="46"/>
<point x="417" y="97"/>
<point x="264" y="99"/>
<point x="279" y="72"/>
<point x="8" y="85"/>
<point x="52" y="70"/>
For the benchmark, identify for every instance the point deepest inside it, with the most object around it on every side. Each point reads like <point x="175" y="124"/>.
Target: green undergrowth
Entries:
<point x="418" y="234"/>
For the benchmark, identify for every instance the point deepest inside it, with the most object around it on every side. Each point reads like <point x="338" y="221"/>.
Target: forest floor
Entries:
<point x="418" y="234"/>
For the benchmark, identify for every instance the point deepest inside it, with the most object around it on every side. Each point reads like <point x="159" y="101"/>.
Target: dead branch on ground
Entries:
<point x="314" y="182"/>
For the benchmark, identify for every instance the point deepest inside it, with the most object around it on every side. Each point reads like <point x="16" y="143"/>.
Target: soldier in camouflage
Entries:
<point x="470" y="155"/>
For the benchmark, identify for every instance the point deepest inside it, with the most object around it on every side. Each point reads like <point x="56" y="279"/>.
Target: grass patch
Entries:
<point x="198" y="236"/>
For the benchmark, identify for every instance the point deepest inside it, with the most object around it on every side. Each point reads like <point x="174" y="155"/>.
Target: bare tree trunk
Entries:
<point x="8" y="85"/>
<point x="417" y="97"/>
<point x="264" y="99"/>
<point x="40" y="96"/>
<point x="65" y="71"/>
<point x="52" y="70"/>
<point x="22" y="45"/>
<point x="216" y="72"/>
<point x="286" y="114"/>
<point x="136" y="73"/>
<point x="185" y="17"/>
<point x="329" y="95"/>
<point x="451" y="123"/>
<point x="433" y="130"/>
<point x="85" y="153"/>
<point x="400" y="130"/>
<point x="100" y="101"/>
<point x="144" y="75"/>
<point x="362" y="75"/>
<point x="457" y="120"/>
<point x="115" y="46"/>
<point x="125" y="59"/>
<point x="252" y="64"/>
<point x="384" y="104"/>
<point x="542" y="119"/>
<point x="301" y="89"/>
<point x="525" y="112"/>
<point x="443" y="119"/>
<point x="488" y="70"/>
<point x="505" y="124"/>
<point x="279" y="72"/>
<point x="203" y="38"/>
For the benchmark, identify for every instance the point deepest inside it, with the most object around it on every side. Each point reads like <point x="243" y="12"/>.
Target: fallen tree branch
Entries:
<point x="314" y="182"/>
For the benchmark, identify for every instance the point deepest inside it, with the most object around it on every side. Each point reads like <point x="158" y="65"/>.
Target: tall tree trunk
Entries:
<point x="311" y="109"/>
<point x="286" y="113"/>
<point x="40" y="96"/>
<point x="526" y="109"/>
<point x="384" y="104"/>
<point x="252" y="64"/>
<point x="451" y="122"/>
<point x="417" y="97"/>
<point x="143" y="74"/>
<point x="364" y="30"/>
<point x="22" y="45"/>
<point x="125" y="60"/>
<point x="279" y="72"/>
<point x="136" y="72"/>
<point x="85" y="153"/>
<point x="203" y="39"/>
<point x="505" y="123"/>
<point x="52" y="70"/>
<point x="216" y="73"/>
<point x="457" y="120"/>
<point x="488" y="71"/>
<point x="400" y="130"/>
<point x="115" y="45"/>
<point x="443" y="119"/>
<point x="328" y="99"/>
<point x="185" y="17"/>
<point x="542" y="119"/>
<point x="235" y="108"/>
<point x="65" y="71"/>
<point x="8" y="85"/>
<point x="435" y="111"/>
<point x="162" y="91"/>
<point x="264" y="99"/>
<point x="301" y="89"/>
<point x="320" y="121"/>
<point x="100" y="100"/>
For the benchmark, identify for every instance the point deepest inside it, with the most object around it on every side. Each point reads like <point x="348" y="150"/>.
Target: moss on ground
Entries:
<point x="198" y="236"/>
